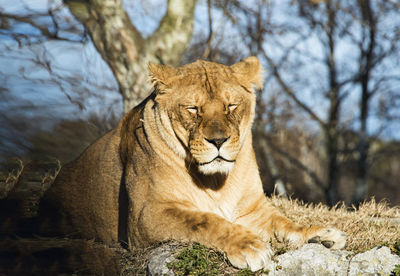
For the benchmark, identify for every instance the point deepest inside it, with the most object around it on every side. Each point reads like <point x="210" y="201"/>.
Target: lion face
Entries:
<point x="210" y="125"/>
<point x="210" y="109"/>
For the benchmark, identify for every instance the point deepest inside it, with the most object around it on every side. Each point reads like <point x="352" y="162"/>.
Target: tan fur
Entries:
<point x="157" y="176"/>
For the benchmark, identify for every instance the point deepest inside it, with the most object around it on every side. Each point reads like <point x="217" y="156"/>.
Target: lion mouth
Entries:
<point x="218" y="159"/>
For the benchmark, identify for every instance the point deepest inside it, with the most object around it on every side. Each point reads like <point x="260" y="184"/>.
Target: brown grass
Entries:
<point x="372" y="224"/>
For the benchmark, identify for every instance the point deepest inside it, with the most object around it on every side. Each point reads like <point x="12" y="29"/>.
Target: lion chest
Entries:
<point x="217" y="203"/>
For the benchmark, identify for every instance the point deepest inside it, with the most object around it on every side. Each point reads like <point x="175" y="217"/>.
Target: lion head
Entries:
<point x="205" y="110"/>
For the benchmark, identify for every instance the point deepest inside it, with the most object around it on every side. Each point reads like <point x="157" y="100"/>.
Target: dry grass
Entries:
<point x="10" y="177"/>
<point x="372" y="224"/>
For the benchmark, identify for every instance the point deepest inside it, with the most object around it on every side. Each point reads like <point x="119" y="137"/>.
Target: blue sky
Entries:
<point x="82" y="63"/>
<point x="31" y="83"/>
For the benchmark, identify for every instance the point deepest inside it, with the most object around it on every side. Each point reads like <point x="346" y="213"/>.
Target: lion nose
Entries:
<point x="217" y="141"/>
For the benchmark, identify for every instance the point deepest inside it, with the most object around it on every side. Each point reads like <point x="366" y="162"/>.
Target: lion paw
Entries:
<point x="254" y="255"/>
<point x="328" y="237"/>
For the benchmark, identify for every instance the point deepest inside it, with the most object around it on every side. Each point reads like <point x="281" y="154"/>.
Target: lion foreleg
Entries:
<point x="242" y="246"/>
<point x="265" y="220"/>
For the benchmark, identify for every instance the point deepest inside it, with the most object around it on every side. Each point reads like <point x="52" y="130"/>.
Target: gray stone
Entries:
<point x="159" y="257"/>
<point x="315" y="259"/>
<point x="311" y="259"/>
<point x="377" y="261"/>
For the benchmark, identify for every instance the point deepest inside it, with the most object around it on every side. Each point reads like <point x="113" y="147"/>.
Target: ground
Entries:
<point x="371" y="224"/>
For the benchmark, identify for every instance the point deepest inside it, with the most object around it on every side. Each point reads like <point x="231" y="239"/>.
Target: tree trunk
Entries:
<point x="366" y="65"/>
<point x="361" y="183"/>
<point x="331" y="129"/>
<point x="333" y="168"/>
<point x="279" y="186"/>
<point x="123" y="48"/>
<point x="260" y="139"/>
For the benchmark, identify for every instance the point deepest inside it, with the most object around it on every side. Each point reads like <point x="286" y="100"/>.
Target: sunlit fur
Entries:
<point x="181" y="165"/>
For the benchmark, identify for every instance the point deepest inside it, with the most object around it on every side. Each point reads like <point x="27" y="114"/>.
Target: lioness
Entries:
<point x="181" y="166"/>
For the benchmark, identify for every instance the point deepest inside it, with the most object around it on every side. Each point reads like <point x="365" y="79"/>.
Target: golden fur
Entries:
<point x="181" y="166"/>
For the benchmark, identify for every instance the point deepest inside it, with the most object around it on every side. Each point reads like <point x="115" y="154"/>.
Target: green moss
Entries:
<point x="281" y="250"/>
<point x="246" y="272"/>
<point x="395" y="247"/>
<point x="396" y="271"/>
<point x="197" y="260"/>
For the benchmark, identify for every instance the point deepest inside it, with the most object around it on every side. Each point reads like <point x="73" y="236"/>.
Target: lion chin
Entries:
<point x="217" y="165"/>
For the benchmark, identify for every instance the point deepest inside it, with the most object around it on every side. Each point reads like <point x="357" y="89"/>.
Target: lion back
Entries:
<point x="88" y="198"/>
<point x="83" y="200"/>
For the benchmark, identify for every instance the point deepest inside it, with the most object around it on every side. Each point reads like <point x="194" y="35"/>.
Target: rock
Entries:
<point x="315" y="259"/>
<point x="377" y="261"/>
<point x="311" y="259"/>
<point x="159" y="257"/>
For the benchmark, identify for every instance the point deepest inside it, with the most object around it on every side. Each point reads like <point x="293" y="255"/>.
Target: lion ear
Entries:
<point x="160" y="75"/>
<point x="249" y="72"/>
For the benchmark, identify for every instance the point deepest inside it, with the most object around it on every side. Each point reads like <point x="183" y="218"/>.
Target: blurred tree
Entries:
<point x="67" y="138"/>
<point x="325" y="56"/>
<point x="123" y="47"/>
<point x="46" y="75"/>
<point x="330" y="73"/>
<point x="44" y="32"/>
<point x="376" y="44"/>
<point x="364" y="26"/>
<point x="118" y="41"/>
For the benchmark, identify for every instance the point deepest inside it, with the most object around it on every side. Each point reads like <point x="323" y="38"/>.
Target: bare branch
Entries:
<point x="27" y="19"/>
<point x="317" y="183"/>
<point x="211" y="34"/>
<point x="49" y="25"/>
<point x="291" y="93"/>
